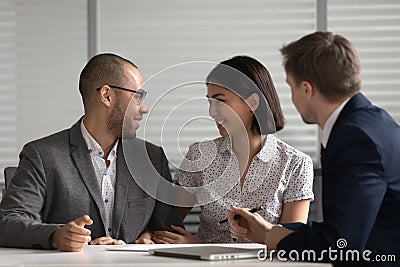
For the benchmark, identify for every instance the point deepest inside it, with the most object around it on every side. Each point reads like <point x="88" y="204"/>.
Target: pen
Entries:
<point x="237" y="216"/>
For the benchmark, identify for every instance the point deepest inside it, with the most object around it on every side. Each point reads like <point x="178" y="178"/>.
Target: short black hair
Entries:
<point x="245" y="76"/>
<point x="102" y="69"/>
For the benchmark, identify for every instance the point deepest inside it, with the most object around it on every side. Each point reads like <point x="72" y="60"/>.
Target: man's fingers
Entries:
<point x="107" y="240"/>
<point x="73" y="237"/>
<point x="70" y="245"/>
<point x="72" y="228"/>
<point x="102" y="240"/>
<point x="118" y="242"/>
<point x="237" y="232"/>
<point x="72" y="248"/>
<point x="245" y="215"/>
<point x="238" y="227"/>
<point x="74" y="244"/>
<point x="233" y="235"/>
<point x="83" y="220"/>
<point x="230" y="217"/>
<point x="77" y="225"/>
<point x="242" y="212"/>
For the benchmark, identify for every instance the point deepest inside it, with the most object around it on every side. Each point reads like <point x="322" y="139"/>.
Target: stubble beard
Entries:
<point x="115" y="121"/>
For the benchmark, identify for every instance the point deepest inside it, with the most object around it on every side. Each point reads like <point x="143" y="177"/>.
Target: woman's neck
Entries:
<point x="246" y="147"/>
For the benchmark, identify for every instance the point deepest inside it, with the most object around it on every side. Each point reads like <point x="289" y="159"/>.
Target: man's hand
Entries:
<point x="166" y="237"/>
<point x="107" y="240"/>
<point x="73" y="236"/>
<point x="250" y="226"/>
<point x="254" y="228"/>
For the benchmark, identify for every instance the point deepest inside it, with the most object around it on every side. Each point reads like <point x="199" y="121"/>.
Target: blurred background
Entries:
<point x="44" y="45"/>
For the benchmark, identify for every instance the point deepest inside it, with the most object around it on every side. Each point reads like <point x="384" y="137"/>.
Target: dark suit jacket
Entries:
<point x="361" y="185"/>
<point x="55" y="183"/>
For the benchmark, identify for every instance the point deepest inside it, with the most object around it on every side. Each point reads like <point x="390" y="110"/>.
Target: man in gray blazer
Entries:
<point x="74" y="187"/>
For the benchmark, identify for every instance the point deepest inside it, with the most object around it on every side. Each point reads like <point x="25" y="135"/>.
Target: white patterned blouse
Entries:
<point x="278" y="174"/>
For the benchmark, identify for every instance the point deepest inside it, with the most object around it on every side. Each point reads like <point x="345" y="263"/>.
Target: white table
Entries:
<point x="98" y="256"/>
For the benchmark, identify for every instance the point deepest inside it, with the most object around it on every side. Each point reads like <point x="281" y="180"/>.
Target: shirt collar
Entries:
<point x="267" y="151"/>
<point x="225" y="145"/>
<point x="94" y="148"/>
<point x="326" y="131"/>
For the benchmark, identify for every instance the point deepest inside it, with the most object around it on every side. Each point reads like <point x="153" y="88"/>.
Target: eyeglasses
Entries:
<point x="138" y="96"/>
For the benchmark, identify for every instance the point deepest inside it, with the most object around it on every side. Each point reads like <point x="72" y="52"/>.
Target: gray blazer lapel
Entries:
<point x="121" y="190"/>
<point x="81" y="157"/>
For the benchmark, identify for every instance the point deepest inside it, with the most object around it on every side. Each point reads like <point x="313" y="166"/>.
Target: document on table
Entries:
<point x="145" y="248"/>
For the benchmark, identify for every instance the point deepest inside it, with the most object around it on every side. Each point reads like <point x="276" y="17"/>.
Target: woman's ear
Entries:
<point x="253" y="101"/>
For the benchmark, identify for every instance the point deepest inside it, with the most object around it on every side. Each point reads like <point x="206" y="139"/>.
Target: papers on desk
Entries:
<point x="145" y="248"/>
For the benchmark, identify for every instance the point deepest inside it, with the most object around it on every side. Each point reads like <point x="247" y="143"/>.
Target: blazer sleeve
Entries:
<point x="164" y="214"/>
<point x="20" y="210"/>
<point x="353" y="190"/>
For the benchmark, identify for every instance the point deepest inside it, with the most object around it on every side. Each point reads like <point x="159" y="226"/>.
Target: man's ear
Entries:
<point x="308" y="88"/>
<point x="105" y="95"/>
<point x="253" y="101"/>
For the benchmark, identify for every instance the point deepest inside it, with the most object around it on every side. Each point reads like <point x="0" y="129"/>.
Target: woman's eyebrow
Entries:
<point x="214" y="96"/>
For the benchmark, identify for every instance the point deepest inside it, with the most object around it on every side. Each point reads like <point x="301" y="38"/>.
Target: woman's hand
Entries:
<point x="166" y="237"/>
<point x="144" y="238"/>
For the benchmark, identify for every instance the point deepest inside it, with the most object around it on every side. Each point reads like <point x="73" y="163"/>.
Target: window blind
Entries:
<point x="374" y="28"/>
<point x="8" y="79"/>
<point x="158" y="34"/>
<point x="43" y="48"/>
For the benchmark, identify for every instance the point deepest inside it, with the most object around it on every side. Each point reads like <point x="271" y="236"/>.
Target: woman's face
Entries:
<point x="231" y="113"/>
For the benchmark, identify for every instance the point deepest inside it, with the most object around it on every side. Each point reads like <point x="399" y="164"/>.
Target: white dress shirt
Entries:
<point x="106" y="176"/>
<point x="326" y="132"/>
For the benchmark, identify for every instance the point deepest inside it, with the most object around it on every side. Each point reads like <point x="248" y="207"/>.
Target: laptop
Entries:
<point x="210" y="253"/>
